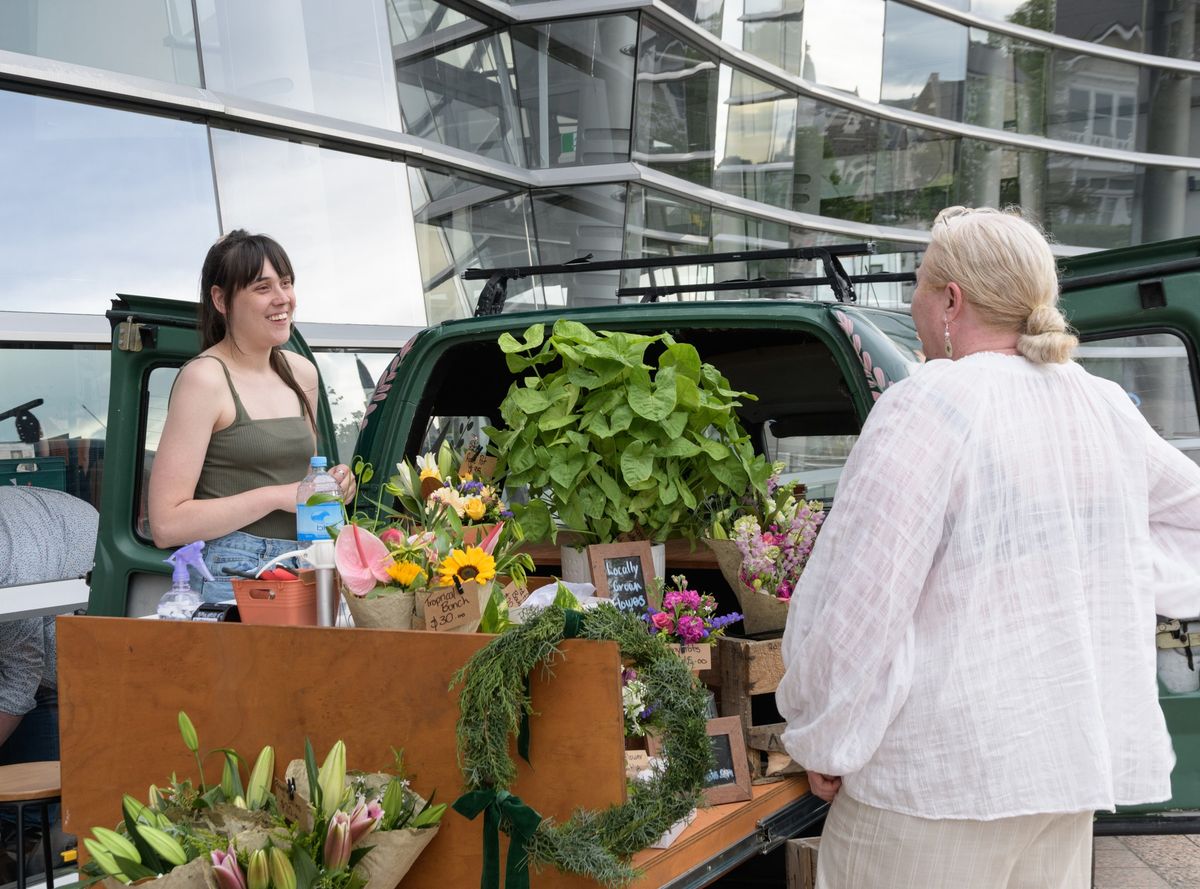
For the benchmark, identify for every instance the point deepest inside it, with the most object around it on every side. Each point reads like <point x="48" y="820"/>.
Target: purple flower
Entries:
<point x="691" y="629"/>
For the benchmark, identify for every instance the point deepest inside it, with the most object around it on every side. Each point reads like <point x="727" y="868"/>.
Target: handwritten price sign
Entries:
<point x="697" y="657"/>
<point x="449" y="608"/>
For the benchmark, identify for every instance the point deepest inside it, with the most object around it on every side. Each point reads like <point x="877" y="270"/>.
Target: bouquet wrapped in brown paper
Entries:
<point x="322" y="828"/>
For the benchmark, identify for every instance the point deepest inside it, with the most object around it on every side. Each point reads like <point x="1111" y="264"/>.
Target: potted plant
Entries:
<point x="614" y="448"/>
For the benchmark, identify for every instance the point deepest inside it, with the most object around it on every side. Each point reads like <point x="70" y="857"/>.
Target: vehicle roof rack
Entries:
<point x="495" y="291"/>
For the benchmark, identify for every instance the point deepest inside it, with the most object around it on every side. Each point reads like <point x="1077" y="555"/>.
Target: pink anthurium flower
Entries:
<point x="226" y="870"/>
<point x="362" y="822"/>
<point x="337" y="841"/>
<point x="361" y="558"/>
<point x="489" y="543"/>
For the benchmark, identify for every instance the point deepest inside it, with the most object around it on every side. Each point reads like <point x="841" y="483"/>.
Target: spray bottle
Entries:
<point x="182" y="601"/>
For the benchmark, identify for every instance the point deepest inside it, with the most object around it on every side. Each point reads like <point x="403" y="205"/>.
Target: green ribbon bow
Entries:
<point x="500" y="806"/>
<point x="572" y="622"/>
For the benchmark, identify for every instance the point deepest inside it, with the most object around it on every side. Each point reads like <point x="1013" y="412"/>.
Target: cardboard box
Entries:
<point x="801" y="858"/>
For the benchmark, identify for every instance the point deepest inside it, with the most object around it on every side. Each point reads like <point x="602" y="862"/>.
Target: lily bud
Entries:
<point x="332" y="779"/>
<point x="188" y="731"/>
<point x="117" y="844"/>
<point x="283" y="875"/>
<point x="104" y="858"/>
<point x="228" y="778"/>
<point x="393" y="801"/>
<point x="165" y="846"/>
<point x="337" y="842"/>
<point x="226" y="870"/>
<point x="258" y="870"/>
<point x="157" y="801"/>
<point x="260" y="778"/>
<point x="362" y="822"/>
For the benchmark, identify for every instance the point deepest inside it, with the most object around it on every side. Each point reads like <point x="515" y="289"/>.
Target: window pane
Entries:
<point x="676" y="106"/>
<point x="924" y="62"/>
<point x="573" y="222"/>
<point x="149" y="38"/>
<point x="1153" y="370"/>
<point x="158" y="394"/>
<point x="99" y="202"/>
<point x="1020" y="12"/>
<point x="466" y="223"/>
<point x="464" y="97"/>
<point x="344" y="219"/>
<point x="771" y="30"/>
<point x="327" y="58"/>
<point x="759" y="123"/>
<point x="575" y="87"/>
<point x="842" y="145"/>
<point x="814" y="461"/>
<point x="705" y="13"/>
<point x="64" y="435"/>
<point x="733" y="232"/>
<point x="838" y="55"/>
<point x="414" y="21"/>
<point x="914" y="175"/>
<point x="662" y="225"/>
<point x="349" y="379"/>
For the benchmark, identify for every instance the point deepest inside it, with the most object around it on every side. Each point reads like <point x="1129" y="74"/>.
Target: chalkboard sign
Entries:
<point x="623" y="572"/>
<point x="728" y="778"/>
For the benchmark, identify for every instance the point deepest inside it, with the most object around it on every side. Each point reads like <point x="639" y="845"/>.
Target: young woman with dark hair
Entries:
<point x="240" y="426"/>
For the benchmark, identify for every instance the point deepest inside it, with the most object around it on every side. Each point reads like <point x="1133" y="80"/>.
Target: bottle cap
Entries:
<point x="318" y="462"/>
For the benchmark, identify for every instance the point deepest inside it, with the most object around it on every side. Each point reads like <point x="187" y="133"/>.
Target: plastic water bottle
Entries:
<point x="318" y="503"/>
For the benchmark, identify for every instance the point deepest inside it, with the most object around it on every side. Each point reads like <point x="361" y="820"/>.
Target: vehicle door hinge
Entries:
<point x="133" y="337"/>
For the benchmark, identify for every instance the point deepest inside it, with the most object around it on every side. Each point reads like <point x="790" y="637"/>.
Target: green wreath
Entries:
<point x="494" y="706"/>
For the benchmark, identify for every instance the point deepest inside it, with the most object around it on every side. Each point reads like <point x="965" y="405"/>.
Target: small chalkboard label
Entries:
<point x="728" y="778"/>
<point x="623" y="572"/>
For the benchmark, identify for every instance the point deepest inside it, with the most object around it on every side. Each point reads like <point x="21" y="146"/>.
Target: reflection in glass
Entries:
<point x="676" y="106"/>
<point x="98" y="202"/>
<point x="1038" y="15"/>
<point x="149" y="38"/>
<point x="464" y="97"/>
<point x="759" y="123"/>
<point x="1154" y="371"/>
<point x="836" y="150"/>
<point x="344" y="219"/>
<point x="330" y="59"/>
<point x="466" y="223"/>
<point x="575" y="222"/>
<point x="924" y="62"/>
<point x="73" y="386"/>
<point x="733" y="232"/>
<point x="413" y="23"/>
<point x="575" y="87"/>
<point x="837" y="55"/>
<point x="705" y="13"/>
<point x="769" y="29"/>
<point x="914" y="175"/>
<point x="659" y="224"/>
<point x="1090" y="202"/>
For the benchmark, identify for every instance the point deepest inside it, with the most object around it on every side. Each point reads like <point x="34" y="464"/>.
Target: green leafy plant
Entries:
<point x="616" y="448"/>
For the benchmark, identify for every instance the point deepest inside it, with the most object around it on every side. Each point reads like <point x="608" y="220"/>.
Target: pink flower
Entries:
<point x="663" y="621"/>
<point x="691" y="629"/>
<point x="226" y="870"/>
<point x="337" y="841"/>
<point x="362" y="822"/>
<point x="361" y="559"/>
<point x="393" y="537"/>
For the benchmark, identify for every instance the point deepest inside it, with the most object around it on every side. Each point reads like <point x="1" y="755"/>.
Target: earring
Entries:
<point x="949" y="345"/>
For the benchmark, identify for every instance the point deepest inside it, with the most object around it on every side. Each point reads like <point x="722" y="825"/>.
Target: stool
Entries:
<point x="31" y="784"/>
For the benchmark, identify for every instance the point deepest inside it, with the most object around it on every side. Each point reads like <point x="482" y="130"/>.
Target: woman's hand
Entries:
<point x="825" y="787"/>
<point x="343" y="475"/>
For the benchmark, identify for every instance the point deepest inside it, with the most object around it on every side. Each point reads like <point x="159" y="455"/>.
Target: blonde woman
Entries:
<point x="970" y="650"/>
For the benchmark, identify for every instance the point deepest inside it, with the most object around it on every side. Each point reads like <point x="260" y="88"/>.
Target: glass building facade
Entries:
<point x="391" y="144"/>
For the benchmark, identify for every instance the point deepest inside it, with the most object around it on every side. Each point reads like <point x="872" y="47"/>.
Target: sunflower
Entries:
<point x="472" y="564"/>
<point x="404" y="573"/>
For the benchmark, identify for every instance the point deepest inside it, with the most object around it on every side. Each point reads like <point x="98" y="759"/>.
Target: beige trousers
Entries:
<point x="868" y="848"/>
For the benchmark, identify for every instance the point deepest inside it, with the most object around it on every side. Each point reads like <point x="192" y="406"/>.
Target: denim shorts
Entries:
<point x="240" y="552"/>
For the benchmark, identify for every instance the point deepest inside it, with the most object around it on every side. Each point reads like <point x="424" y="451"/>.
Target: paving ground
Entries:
<point x="1169" y="862"/>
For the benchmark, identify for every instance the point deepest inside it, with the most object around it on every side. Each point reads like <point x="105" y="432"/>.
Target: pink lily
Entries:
<point x="362" y="822"/>
<point x="361" y="559"/>
<point x="337" y="842"/>
<point x="489" y="543"/>
<point x="226" y="870"/>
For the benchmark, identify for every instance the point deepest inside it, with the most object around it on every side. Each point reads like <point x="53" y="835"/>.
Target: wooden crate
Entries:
<point x="801" y="862"/>
<point x="752" y="667"/>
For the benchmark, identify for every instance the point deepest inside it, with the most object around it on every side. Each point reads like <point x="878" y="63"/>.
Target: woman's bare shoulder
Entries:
<point x="203" y="374"/>
<point x="303" y="369"/>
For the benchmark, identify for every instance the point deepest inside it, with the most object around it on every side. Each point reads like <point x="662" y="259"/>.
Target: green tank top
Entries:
<point x="250" y="454"/>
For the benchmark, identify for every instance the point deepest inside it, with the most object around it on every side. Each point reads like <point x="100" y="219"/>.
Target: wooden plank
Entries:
<point x="122" y="682"/>
<point x="767" y="738"/>
<point x="714" y="830"/>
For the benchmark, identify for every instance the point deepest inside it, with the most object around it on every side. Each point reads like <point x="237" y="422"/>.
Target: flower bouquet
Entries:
<point x="357" y="832"/>
<point x="434" y="485"/>
<point x="764" y="556"/>
<point x="689" y="621"/>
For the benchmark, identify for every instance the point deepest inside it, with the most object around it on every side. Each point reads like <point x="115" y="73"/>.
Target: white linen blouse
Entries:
<point x="973" y="636"/>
